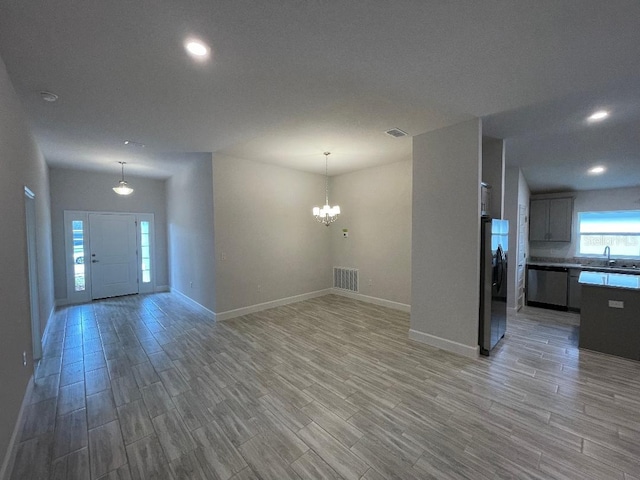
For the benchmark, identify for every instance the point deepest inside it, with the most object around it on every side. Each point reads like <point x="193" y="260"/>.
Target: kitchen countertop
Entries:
<point x="561" y="265"/>
<point x="590" y="268"/>
<point x="610" y="280"/>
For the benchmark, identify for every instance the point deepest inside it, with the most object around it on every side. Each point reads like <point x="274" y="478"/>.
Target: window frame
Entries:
<point x="606" y="234"/>
<point x="150" y="286"/>
<point x="74" y="296"/>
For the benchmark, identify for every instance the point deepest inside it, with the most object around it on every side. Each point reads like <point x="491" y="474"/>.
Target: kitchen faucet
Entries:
<point x="607" y="252"/>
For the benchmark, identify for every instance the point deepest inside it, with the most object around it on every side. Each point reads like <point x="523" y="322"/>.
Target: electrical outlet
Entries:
<point x="370" y="282"/>
<point x="223" y="256"/>
<point x="191" y="284"/>
<point x="24" y="359"/>
<point x="259" y="288"/>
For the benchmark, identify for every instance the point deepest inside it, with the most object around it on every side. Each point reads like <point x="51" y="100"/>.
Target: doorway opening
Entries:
<point x="34" y="304"/>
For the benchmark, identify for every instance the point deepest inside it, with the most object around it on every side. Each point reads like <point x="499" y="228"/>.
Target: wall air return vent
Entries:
<point x="396" y="132"/>
<point x="345" y="278"/>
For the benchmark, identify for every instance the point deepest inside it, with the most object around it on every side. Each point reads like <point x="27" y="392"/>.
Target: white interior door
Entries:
<point x="114" y="260"/>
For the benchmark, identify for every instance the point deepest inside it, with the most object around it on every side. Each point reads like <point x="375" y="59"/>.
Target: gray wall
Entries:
<point x="493" y="173"/>
<point x="516" y="194"/>
<point x="376" y="206"/>
<point x="190" y="214"/>
<point x="446" y="237"/>
<point x="21" y="163"/>
<point x="91" y="191"/>
<point x="268" y="245"/>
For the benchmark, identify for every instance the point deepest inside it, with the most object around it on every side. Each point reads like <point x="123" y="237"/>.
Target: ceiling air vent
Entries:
<point x="396" y="132"/>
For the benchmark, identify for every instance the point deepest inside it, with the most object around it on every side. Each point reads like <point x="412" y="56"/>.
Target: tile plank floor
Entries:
<point x="147" y="387"/>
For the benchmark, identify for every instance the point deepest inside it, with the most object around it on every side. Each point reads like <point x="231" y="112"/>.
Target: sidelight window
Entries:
<point x="145" y="251"/>
<point x="77" y="231"/>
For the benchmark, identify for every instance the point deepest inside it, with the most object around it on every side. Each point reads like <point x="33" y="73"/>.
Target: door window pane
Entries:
<point x="77" y="229"/>
<point x="145" y="252"/>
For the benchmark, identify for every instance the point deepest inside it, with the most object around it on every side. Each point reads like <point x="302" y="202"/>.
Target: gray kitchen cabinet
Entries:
<point x="575" y="292"/>
<point x="609" y="321"/>
<point x="550" y="219"/>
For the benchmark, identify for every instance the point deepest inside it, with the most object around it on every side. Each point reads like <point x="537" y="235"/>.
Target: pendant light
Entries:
<point x="326" y="214"/>
<point x="123" y="187"/>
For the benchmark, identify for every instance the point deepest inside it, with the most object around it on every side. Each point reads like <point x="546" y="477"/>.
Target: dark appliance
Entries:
<point x="494" y="244"/>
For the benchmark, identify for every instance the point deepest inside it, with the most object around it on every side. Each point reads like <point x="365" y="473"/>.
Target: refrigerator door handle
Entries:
<point x="500" y="261"/>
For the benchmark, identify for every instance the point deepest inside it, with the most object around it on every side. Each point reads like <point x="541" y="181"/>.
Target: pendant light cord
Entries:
<point x="326" y="177"/>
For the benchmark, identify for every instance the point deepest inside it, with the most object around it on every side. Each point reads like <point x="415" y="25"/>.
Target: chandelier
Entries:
<point x="326" y="214"/>
<point x="123" y="187"/>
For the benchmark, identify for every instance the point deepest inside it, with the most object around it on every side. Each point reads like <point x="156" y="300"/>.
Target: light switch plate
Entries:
<point x="616" y="304"/>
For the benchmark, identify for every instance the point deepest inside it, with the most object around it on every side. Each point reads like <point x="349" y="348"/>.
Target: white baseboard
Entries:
<point x="511" y="311"/>
<point x="238" y="312"/>
<point x="444" y="344"/>
<point x="190" y="300"/>
<point x="162" y="288"/>
<point x="10" y="456"/>
<point x="45" y="334"/>
<point x="375" y="300"/>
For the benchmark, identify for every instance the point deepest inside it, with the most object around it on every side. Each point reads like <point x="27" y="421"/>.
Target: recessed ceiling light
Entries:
<point x="197" y="49"/>
<point x="48" y="96"/>
<point x="599" y="115"/>
<point x="597" y="170"/>
<point x="131" y="143"/>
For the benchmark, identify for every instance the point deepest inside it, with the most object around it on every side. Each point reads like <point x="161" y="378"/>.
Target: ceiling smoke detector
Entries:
<point x="396" y="132"/>
<point x="48" y="96"/>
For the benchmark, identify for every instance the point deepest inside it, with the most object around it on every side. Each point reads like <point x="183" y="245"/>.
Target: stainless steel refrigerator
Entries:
<point x="494" y="245"/>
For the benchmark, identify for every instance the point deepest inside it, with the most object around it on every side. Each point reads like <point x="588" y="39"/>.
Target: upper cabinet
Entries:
<point x="550" y="219"/>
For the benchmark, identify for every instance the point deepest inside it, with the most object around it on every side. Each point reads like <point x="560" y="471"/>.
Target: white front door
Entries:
<point x="114" y="260"/>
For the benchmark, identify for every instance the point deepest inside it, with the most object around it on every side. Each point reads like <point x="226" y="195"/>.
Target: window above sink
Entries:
<point x="618" y="230"/>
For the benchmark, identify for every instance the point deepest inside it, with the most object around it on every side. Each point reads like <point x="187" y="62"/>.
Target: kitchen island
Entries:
<point x="610" y="313"/>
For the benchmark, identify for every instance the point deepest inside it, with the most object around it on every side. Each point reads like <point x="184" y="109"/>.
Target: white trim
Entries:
<point x="403" y="307"/>
<point x="238" y="312"/>
<point x="162" y="288"/>
<point x="190" y="300"/>
<point x="45" y="335"/>
<point x="12" y="448"/>
<point x="31" y="241"/>
<point x="445" y="344"/>
<point x="63" y="302"/>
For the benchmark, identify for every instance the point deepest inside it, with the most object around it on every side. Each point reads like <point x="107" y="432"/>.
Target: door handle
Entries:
<point x="94" y="261"/>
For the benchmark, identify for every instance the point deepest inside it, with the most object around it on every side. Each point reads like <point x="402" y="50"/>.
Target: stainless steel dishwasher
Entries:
<point x="547" y="286"/>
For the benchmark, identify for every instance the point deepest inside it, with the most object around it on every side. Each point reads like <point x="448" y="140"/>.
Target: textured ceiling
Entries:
<point x="288" y="80"/>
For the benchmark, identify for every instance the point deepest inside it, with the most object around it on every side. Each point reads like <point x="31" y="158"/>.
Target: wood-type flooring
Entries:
<point x="147" y="387"/>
